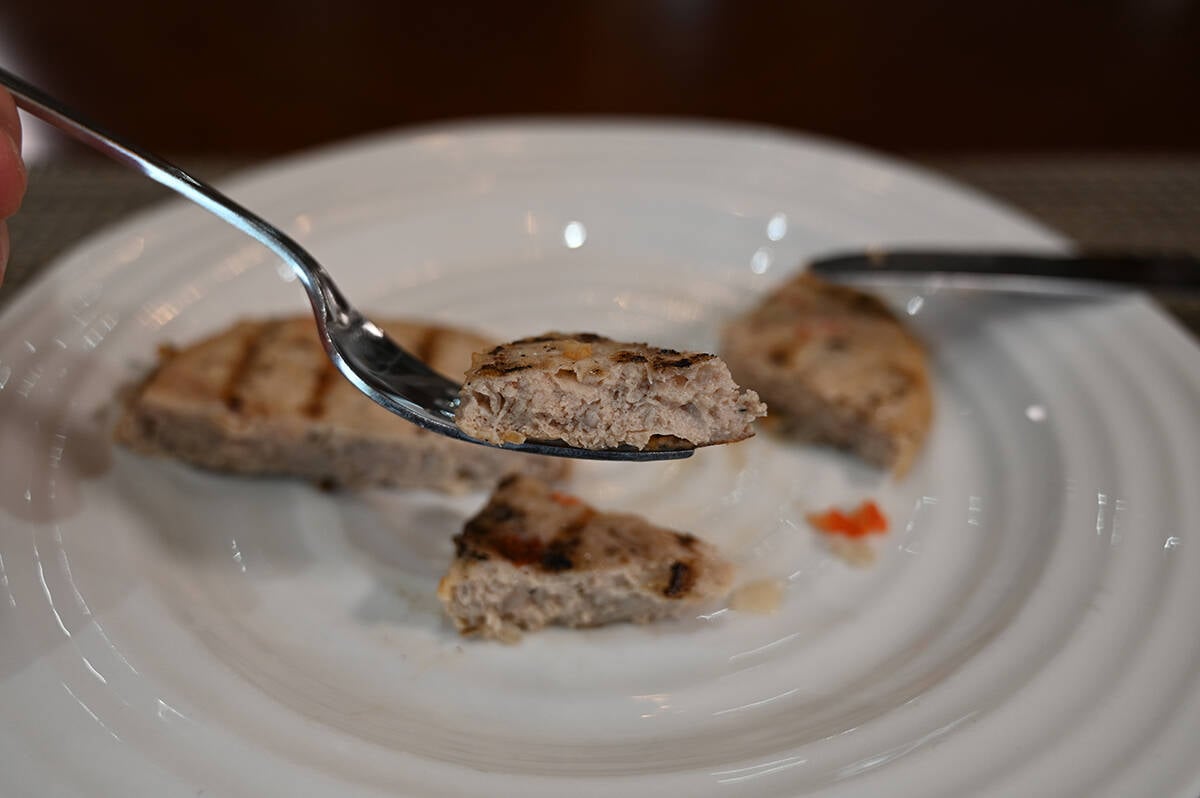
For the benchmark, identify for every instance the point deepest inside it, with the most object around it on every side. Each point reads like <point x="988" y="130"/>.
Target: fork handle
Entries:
<point x="324" y="295"/>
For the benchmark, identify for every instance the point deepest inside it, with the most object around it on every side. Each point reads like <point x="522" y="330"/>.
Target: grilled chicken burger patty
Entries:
<point x="837" y="367"/>
<point x="263" y="398"/>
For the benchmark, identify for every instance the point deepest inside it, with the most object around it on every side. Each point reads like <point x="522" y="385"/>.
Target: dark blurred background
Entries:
<point x="258" y="77"/>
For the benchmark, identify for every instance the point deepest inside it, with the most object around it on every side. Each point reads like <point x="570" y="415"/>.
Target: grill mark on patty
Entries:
<point x="687" y="540"/>
<point x="680" y="581"/>
<point x="502" y="360"/>
<point x="680" y="360"/>
<point x="557" y="556"/>
<point x="496" y="370"/>
<point x="314" y="408"/>
<point x="499" y="527"/>
<point x="559" y="553"/>
<point x="241" y="368"/>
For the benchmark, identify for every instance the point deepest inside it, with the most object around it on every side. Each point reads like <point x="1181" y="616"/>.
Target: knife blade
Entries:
<point x="1172" y="271"/>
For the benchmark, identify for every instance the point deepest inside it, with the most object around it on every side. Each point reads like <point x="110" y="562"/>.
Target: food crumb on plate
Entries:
<point x="845" y="532"/>
<point x="762" y="596"/>
<point x="852" y="551"/>
<point x="864" y="520"/>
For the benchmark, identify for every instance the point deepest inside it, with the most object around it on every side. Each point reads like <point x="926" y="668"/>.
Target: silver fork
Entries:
<point x="376" y="364"/>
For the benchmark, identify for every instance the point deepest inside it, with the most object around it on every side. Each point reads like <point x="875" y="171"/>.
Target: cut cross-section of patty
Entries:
<point x="596" y="393"/>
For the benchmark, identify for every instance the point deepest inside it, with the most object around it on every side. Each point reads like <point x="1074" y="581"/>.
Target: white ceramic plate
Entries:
<point x="1029" y="628"/>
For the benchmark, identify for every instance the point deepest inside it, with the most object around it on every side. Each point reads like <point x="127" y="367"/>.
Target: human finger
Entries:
<point x="12" y="175"/>
<point x="10" y="120"/>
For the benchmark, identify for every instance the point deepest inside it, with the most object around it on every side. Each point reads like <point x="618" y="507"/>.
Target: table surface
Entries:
<point x="1102" y="202"/>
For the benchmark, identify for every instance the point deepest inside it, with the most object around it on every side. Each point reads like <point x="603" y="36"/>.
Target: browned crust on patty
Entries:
<point x="524" y="353"/>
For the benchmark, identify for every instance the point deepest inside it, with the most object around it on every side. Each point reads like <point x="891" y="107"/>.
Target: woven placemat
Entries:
<point x="1100" y="202"/>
